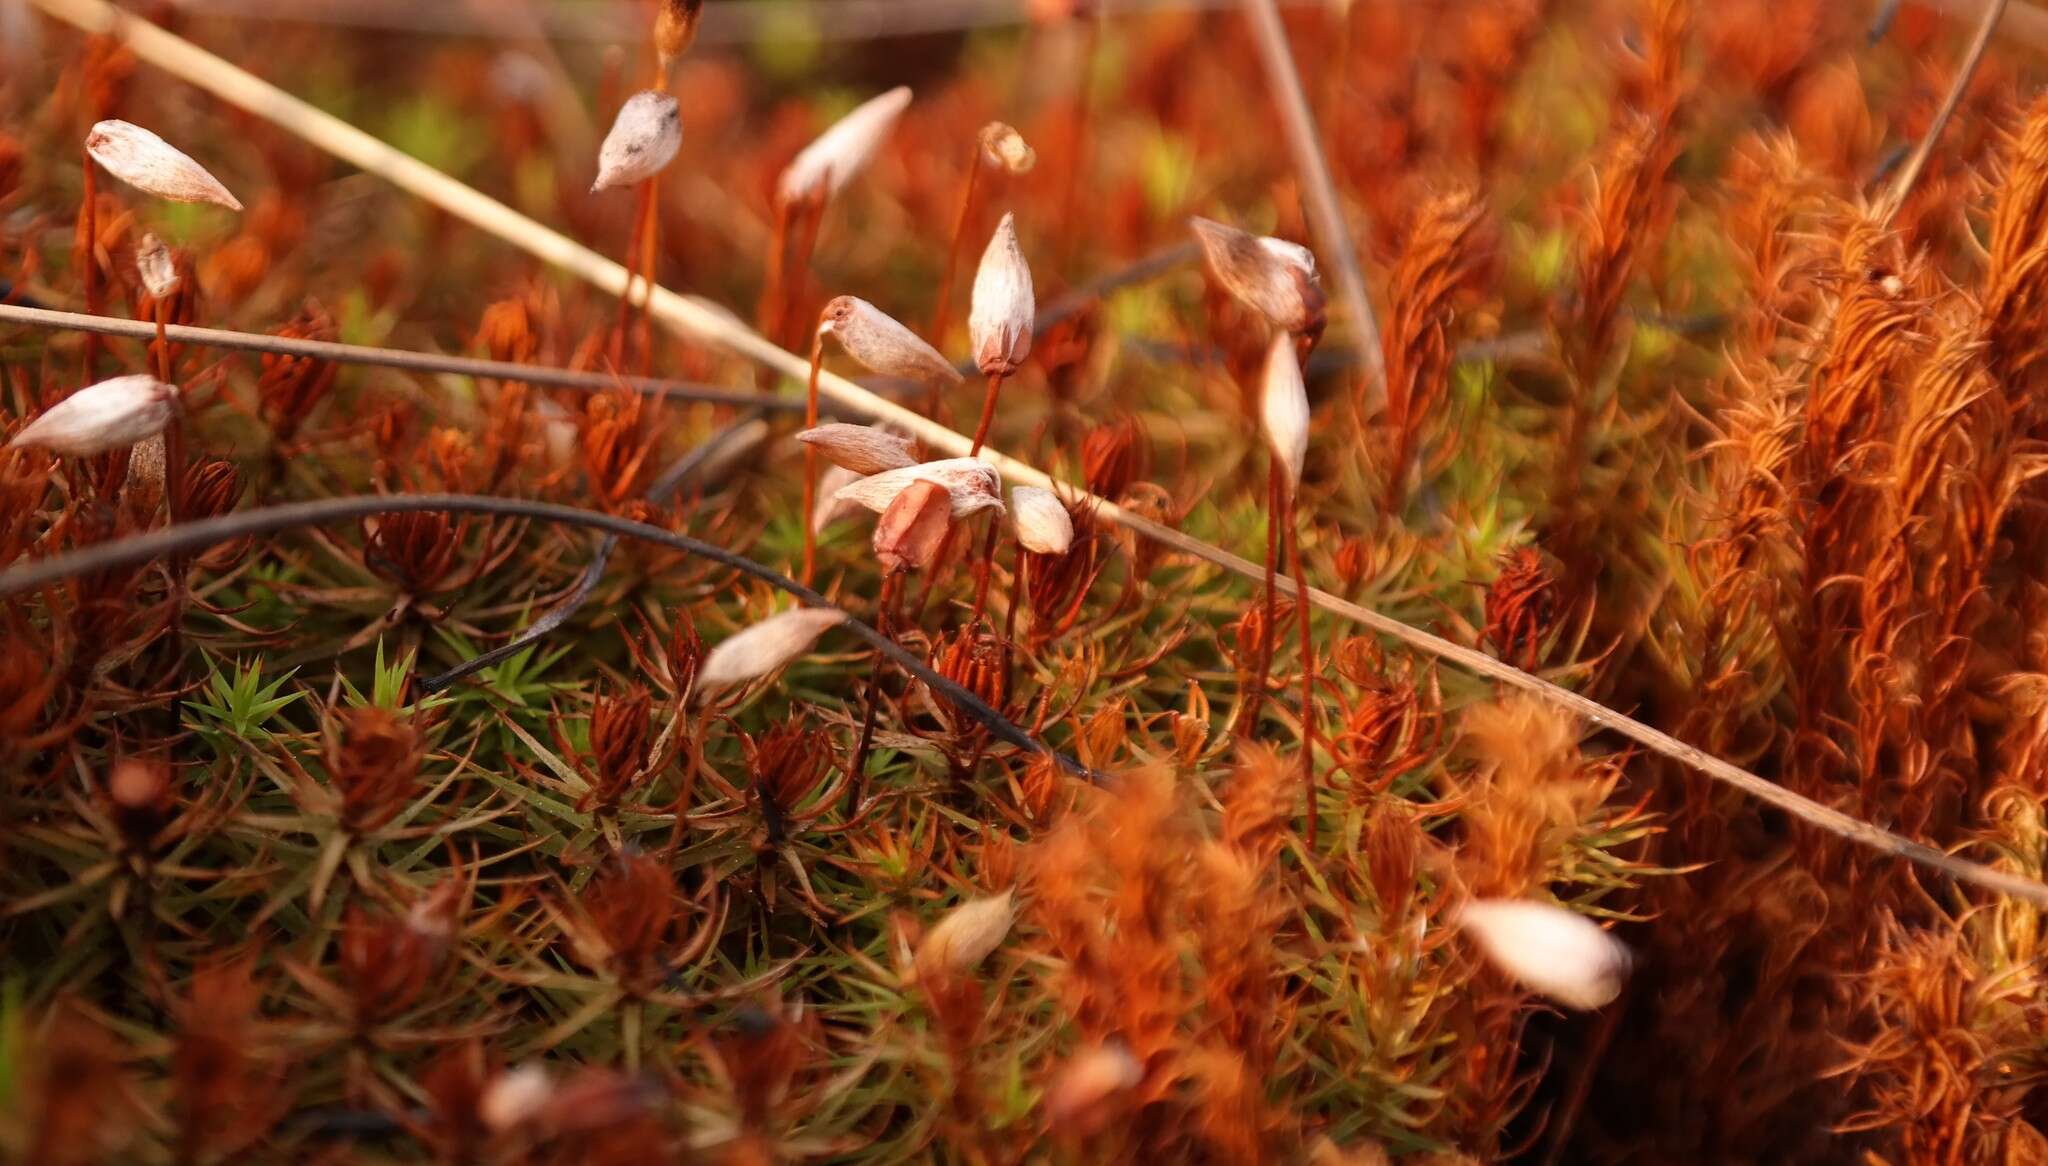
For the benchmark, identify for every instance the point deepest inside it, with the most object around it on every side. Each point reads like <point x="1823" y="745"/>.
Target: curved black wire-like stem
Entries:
<point x="670" y="481"/>
<point x="190" y="537"/>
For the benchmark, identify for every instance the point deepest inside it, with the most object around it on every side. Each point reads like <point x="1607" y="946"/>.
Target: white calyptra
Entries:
<point x="644" y="138"/>
<point x="864" y="449"/>
<point x="826" y="165"/>
<point x="1001" y="317"/>
<point x="158" y="270"/>
<point x="1043" y="525"/>
<point x="1273" y="277"/>
<point x="153" y="166"/>
<point x="972" y="483"/>
<point x="765" y="647"/>
<point x="1090" y="1077"/>
<point x="830" y="507"/>
<point x="513" y="1098"/>
<point x="1283" y="409"/>
<point x="109" y="415"/>
<point x="1553" y="952"/>
<point x="882" y="344"/>
<point x="965" y="937"/>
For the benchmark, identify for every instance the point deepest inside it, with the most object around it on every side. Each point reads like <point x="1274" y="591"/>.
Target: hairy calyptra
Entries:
<point x="644" y="138"/>
<point x="1043" y="525"/>
<point x="1283" y="410"/>
<point x="109" y="415"/>
<point x="1001" y="318"/>
<point x="829" y="163"/>
<point x="514" y="1097"/>
<point x="765" y="647"/>
<point x="154" y="166"/>
<point x="966" y="936"/>
<point x="830" y="507"/>
<point x="1558" y="954"/>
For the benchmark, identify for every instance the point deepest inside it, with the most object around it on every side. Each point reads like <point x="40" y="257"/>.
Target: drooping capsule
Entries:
<point x="972" y="484"/>
<point x="882" y="344"/>
<point x="1272" y="277"/>
<point x="864" y="449"/>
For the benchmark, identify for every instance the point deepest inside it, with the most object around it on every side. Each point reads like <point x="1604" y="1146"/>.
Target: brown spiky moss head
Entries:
<point x="419" y="550"/>
<point x="374" y="761"/>
<point x="629" y="915"/>
<point x="1113" y="455"/>
<point x="388" y="962"/>
<point x="621" y="730"/>
<point x="1520" y="605"/>
<point x="616" y="438"/>
<point x="506" y="331"/>
<point x="292" y="386"/>
<point x="789" y="763"/>
<point x="229" y="1091"/>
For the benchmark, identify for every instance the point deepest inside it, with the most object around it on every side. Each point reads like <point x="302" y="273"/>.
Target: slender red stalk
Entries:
<point x="1308" y="671"/>
<point x="800" y="274"/>
<point x="985" y="567"/>
<point x="1257" y="695"/>
<point x="988" y="412"/>
<point x="174" y="443"/>
<point x="643" y="197"/>
<point x="90" y="228"/>
<point x="650" y="239"/>
<point x="942" y="317"/>
<point x="163" y="344"/>
<point x="789" y="261"/>
<point x="811" y="461"/>
<point x="1017" y="597"/>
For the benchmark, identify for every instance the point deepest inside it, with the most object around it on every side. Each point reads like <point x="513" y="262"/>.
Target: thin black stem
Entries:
<point x="670" y="480"/>
<point x="428" y="362"/>
<point x="197" y="536"/>
<point x="885" y="620"/>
